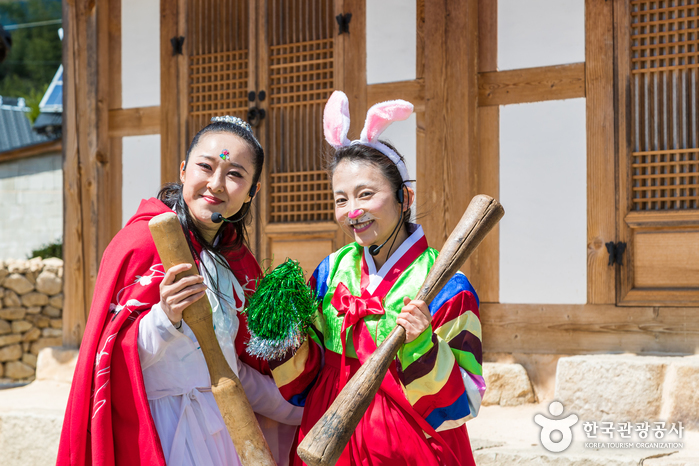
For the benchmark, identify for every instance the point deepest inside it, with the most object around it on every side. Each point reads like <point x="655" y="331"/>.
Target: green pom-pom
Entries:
<point x="280" y="312"/>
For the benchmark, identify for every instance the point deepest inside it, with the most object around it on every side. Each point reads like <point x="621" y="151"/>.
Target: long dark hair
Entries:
<point x="372" y="156"/>
<point x="171" y="195"/>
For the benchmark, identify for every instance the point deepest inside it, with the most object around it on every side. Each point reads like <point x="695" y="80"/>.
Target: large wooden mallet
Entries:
<point x="325" y="442"/>
<point x="225" y="385"/>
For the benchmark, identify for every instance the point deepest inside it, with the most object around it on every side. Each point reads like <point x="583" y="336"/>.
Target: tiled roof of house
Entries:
<point x="15" y="128"/>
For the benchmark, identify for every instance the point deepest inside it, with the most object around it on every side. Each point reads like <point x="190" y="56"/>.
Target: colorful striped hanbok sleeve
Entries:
<point x="441" y="370"/>
<point x="297" y="372"/>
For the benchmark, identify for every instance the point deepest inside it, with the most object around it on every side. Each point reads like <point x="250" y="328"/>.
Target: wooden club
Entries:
<point x="325" y="442"/>
<point x="230" y="397"/>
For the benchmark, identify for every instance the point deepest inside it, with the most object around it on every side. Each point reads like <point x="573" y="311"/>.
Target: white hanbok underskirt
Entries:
<point x="189" y="423"/>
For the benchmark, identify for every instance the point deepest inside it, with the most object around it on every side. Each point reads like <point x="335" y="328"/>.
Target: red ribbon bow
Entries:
<point x="355" y="308"/>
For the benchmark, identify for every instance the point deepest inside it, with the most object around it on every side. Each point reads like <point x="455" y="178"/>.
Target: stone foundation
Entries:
<point x="626" y="387"/>
<point x="31" y="308"/>
<point x="506" y="385"/>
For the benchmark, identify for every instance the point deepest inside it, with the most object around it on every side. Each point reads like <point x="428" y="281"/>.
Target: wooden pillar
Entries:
<point x="114" y="175"/>
<point x="350" y="74"/>
<point x="258" y="79"/>
<point x="87" y="228"/>
<point x="601" y="158"/>
<point x="420" y="149"/>
<point x="172" y="119"/>
<point x="446" y="172"/>
<point x="485" y="269"/>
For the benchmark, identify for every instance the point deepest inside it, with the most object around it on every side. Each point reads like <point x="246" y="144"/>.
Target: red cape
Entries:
<point x="108" y="419"/>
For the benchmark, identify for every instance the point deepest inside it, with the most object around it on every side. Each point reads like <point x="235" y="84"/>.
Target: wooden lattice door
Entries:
<point x="658" y="59"/>
<point x="297" y="54"/>
<point x="275" y="57"/>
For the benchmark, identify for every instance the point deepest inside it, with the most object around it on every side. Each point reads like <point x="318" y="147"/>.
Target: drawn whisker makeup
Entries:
<point x="363" y="218"/>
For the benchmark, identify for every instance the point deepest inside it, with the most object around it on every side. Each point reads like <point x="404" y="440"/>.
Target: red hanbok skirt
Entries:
<point x="387" y="434"/>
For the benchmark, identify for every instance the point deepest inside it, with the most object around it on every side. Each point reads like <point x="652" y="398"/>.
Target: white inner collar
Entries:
<point x="375" y="278"/>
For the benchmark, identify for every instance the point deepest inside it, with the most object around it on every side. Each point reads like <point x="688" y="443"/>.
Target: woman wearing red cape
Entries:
<point x="141" y="393"/>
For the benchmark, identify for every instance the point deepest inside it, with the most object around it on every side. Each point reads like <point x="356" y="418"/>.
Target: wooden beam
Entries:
<point x="299" y="228"/>
<point x="171" y="151"/>
<point x="352" y="48"/>
<point x="420" y="39"/>
<point x="622" y="97"/>
<point x="34" y="150"/>
<point x="185" y="132"/>
<point x="667" y="218"/>
<point x="134" y="121"/>
<point x="446" y="179"/>
<point x="86" y="157"/>
<point x="421" y="151"/>
<point x="588" y="328"/>
<point x="412" y="91"/>
<point x="102" y="170"/>
<point x="75" y="312"/>
<point x="485" y="270"/>
<point x="115" y="167"/>
<point x="258" y="78"/>
<point x="601" y="157"/>
<point x="531" y="85"/>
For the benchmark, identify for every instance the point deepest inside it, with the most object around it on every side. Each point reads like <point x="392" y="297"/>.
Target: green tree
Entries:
<point x="36" y="51"/>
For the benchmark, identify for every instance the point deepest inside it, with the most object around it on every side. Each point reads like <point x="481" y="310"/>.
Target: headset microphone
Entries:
<point x="216" y="217"/>
<point x="374" y="249"/>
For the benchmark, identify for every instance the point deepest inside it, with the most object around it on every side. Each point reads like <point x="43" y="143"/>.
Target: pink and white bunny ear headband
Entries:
<point x="336" y="123"/>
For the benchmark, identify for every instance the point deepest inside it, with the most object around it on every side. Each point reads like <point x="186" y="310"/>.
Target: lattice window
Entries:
<point x="218" y="60"/>
<point x="301" y="196"/>
<point x="301" y="80"/>
<point x="664" y="93"/>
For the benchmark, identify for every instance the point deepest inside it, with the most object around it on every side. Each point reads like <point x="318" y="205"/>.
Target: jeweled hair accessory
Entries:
<point x="232" y="120"/>
<point x="336" y="123"/>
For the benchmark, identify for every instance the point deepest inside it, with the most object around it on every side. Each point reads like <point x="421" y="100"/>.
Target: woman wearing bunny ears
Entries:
<point x="435" y="385"/>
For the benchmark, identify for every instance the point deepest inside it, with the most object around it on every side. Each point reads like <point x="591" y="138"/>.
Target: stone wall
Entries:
<point x="31" y="307"/>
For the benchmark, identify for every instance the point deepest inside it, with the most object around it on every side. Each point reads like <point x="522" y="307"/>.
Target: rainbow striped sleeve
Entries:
<point x="442" y="370"/>
<point x="296" y="373"/>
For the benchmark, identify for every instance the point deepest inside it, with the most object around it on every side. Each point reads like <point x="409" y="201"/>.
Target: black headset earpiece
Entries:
<point x="252" y="192"/>
<point x="400" y="195"/>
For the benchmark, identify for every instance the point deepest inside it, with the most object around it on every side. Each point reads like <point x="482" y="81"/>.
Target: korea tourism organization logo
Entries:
<point x="549" y="427"/>
<point x="556" y="433"/>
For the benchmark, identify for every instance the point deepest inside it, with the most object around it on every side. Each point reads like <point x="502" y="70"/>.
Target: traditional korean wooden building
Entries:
<point x="579" y="115"/>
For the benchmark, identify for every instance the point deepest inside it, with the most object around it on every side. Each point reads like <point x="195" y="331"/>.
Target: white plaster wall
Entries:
<point x="540" y="33"/>
<point x="140" y="53"/>
<point x="402" y="135"/>
<point x="391" y="42"/>
<point x="31" y="205"/>
<point x="141" y="172"/>
<point x="543" y="187"/>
